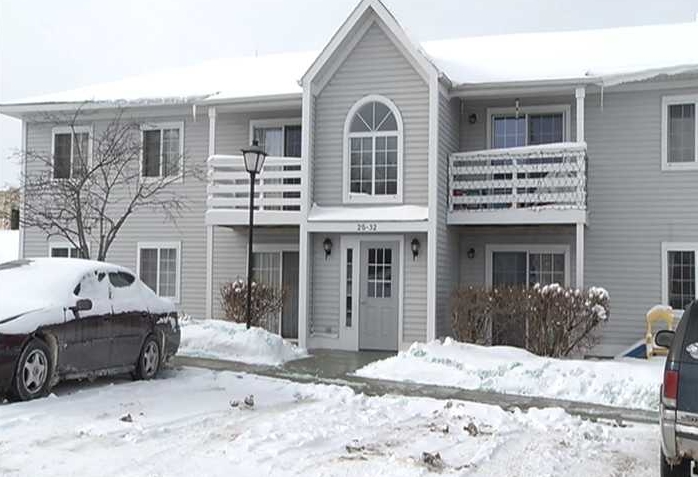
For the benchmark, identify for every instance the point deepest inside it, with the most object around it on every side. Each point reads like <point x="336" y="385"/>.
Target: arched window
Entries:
<point x="373" y="151"/>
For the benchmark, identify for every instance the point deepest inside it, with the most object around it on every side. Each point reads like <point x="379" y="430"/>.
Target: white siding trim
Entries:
<point x="580" y="94"/>
<point x="433" y="202"/>
<point x="579" y="257"/>
<point x="349" y="335"/>
<point x="678" y="247"/>
<point x="304" y="251"/>
<point x="529" y="248"/>
<point x="160" y="245"/>
<point x="22" y="196"/>
<point x="523" y="110"/>
<point x="354" y="198"/>
<point x="209" y="228"/>
<point x="666" y="102"/>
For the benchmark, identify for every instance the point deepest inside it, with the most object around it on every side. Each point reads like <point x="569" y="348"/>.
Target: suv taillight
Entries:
<point x="671" y="387"/>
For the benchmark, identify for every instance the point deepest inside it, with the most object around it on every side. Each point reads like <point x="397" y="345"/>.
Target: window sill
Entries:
<point x="679" y="166"/>
<point x="363" y="199"/>
<point x="170" y="179"/>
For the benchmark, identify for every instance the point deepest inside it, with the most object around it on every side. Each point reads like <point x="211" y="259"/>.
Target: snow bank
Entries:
<point x="218" y="339"/>
<point x="630" y="383"/>
<point x="9" y="245"/>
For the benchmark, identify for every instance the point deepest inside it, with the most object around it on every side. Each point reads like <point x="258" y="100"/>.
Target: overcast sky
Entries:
<point x="48" y="45"/>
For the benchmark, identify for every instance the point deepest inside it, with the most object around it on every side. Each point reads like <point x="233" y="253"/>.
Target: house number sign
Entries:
<point x="367" y="227"/>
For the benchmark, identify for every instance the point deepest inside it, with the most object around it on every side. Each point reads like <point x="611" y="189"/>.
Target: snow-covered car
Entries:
<point x="63" y="318"/>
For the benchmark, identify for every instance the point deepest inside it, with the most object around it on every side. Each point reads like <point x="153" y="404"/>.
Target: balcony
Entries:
<point x="544" y="184"/>
<point x="277" y="191"/>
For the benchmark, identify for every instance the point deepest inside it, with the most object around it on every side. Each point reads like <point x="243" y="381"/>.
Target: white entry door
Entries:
<point x="378" y="311"/>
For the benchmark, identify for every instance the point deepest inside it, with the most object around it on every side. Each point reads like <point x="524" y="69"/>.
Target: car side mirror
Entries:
<point x="664" y="338"/>
<point x="83" y="304"/>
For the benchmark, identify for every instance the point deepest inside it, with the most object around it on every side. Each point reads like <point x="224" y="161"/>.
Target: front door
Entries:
<point x="378" y="313"/>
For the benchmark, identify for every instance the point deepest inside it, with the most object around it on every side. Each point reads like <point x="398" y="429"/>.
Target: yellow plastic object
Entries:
<point x="658" y="315"/>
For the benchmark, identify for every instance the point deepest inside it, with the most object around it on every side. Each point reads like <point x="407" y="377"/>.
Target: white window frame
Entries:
<point x="670" y="101"/>
<point x="57" y="243"/>
<point x="161" y="126"/>
<point x="162" y="245"/>
<point x="275" y="123"/>
<point x="565" y="109"/>
<point x="528" y="248"/>
<point x="356" y="198"/>
<point x="72" y="130"/>
<point x="676" y="247"/>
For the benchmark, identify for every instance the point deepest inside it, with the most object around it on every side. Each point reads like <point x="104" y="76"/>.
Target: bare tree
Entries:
<point x="86" y="191"/>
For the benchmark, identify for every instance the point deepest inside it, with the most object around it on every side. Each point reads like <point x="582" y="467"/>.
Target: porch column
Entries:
<point x="209" y="228"/>
<point x="580" y="93"/>
<point x="579" y="257"/>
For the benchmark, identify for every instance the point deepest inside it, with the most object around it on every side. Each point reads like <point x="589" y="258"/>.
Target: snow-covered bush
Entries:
<point x="548" y="320"/>
<point x="267" y="303"/>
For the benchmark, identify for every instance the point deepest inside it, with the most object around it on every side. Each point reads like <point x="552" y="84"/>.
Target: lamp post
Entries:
<point x="254" y="161"/>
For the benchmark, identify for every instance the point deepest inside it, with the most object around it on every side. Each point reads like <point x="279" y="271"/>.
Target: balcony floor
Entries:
<point x="517" y="216"/>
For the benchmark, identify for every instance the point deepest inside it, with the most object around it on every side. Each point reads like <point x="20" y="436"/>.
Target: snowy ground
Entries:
<point x="218" y="339"/>
<point x="631" y="383"/>
<point x="9" y="245"/>
<point x="184" y="425"/>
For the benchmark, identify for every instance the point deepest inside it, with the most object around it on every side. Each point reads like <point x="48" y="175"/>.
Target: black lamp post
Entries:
<point x="254" y="161"/>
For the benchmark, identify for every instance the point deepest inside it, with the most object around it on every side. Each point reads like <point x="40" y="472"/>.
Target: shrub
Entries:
<point x="267" y="303"/>
<point x="547" y="320"/>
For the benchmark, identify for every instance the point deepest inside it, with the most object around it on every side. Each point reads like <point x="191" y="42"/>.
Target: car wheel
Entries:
<point x="682" y="469"/>
<point x="149" y="359"/>
<point x="32" y="377"/>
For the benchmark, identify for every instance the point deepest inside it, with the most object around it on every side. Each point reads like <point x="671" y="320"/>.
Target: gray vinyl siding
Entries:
<point x="146" y="225"/>
<point x="473" y="137"/>
<point x="325" y="281"/>
<point x="414" y="312"/>
<point x="375" y="66"/>
<point x="472" y="270"/>
<point x="633" y="207"/>
<point x="230" y="254"/>
<point x="447" y="276"/>
<point x="327" y="276"/>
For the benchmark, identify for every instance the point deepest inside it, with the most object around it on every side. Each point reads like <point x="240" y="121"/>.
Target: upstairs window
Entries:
<point x="373" y="152"/>
<point x="163" y="150"/>
<point x="278" y="137"/>
<point x="679" y="132"/>
<point x="532" y="126"/>
<point x="71" y="151"/>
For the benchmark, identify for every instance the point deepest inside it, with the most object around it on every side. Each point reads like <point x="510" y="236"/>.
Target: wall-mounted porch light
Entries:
<point x="471" y="253"/>
<point x="327" y="246"/>
<point x="415" y="245"/>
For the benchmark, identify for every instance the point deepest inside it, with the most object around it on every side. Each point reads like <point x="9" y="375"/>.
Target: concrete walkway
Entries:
<point x="335" y="367"/>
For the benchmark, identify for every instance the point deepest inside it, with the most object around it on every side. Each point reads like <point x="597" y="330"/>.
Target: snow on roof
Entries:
<point x="566" y="55"/>
<point x="275" y="74"/>
<point x="604" y="55"/>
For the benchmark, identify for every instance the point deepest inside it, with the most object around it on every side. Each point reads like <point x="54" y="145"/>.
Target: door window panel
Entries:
<point x="380" y="263"/>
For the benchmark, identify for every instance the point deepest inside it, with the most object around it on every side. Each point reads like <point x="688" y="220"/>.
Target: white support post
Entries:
<point x="209" y="228"/>
<point x="580" y="93"/>
<point x="304" y="239"/>
<point x="579" y="256"/>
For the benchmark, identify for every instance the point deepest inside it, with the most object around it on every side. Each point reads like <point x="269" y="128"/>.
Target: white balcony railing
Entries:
<point x="549" y="176"/>
<point x="277" y="190"/>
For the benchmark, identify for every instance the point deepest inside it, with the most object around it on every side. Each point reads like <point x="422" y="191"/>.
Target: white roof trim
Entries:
<point x="348" y="26"/>
<point x="386" y="213"/>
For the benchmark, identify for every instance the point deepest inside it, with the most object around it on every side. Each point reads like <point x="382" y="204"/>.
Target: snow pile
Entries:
<point x="629" y="383"/>
<point x="218" y="339"/>
<point x="184" y="425"/>
<point x="9" y="245"/>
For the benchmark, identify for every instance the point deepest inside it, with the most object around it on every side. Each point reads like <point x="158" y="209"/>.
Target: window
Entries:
<point x="373" y="152"/>
<point x="278" y="137"/>
<point x="380" y="276"/>
<point x="349" y="285"/>
<point x="159" y="267"/>
<point x="63" y="249"/>
<point x="71" y="151"/>
<point x="679" y="132"/>
<point x="121" y="279"/>
<point x="266" y="268"/>
<point x="520" y="265"/>
<point x="532" y="125"/>
<point x="679" y="274"/>
<point x="163" y="150"/>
